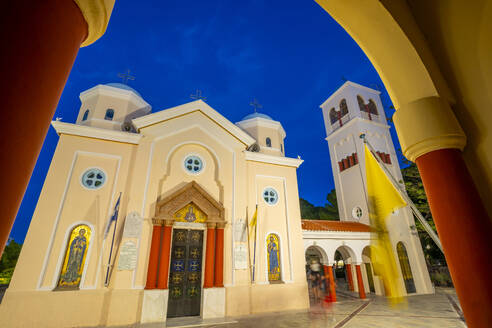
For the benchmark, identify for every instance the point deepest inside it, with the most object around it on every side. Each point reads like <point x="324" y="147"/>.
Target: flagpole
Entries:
<point x="106" y="281"/>
<point x="404" y="195"/>
<point x="254" y="247"/>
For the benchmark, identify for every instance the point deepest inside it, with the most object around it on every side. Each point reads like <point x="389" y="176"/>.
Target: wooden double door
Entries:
<point x="185" y="274"/>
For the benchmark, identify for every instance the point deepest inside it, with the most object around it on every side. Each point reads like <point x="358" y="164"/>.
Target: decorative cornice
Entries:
<point x="270" y="159"/>
<point x="194" y="106"/>
<point x="426" y="125"/>
<point x="341" y="235"/>
<point x="96" y="133"/>
<point x="96" y="13"/>
<point x="352" y="122"/>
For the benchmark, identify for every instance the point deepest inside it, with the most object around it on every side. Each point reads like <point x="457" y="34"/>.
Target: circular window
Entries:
<point x="93" y="178"/>
<point x="357" y="213"/>
<point x="270" y="196"/>
<point x="193" y="164"/>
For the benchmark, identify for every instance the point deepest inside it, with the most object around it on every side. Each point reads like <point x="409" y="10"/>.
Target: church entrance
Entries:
<point x="185" y="275"/>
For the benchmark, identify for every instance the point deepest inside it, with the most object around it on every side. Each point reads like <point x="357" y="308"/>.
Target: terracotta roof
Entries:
<point x="324" y="225"/>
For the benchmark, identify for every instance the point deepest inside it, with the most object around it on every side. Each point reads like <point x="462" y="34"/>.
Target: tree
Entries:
<point x="327" y="212"/>
<point x="9" y="260"/>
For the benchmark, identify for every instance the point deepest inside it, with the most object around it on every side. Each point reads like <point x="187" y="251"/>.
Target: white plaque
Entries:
<point x="240" y="231"/>
<point x="133" y="225"/>
<point x="128" y="256"/>
<point x="240" y="256"/>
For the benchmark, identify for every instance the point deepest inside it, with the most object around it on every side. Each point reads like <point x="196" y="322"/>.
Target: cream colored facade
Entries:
<point x="146" y="167"/>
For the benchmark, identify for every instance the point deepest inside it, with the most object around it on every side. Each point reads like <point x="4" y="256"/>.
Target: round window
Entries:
<point x="270" y="196"/>
<point x="357" y="213"/>
<point x="193" y="164"/>
<point x="93" y="178"/>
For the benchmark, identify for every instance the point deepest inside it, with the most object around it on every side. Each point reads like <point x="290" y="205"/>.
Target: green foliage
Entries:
<point x="415" y="190"/>
<point x="327" y="212"/>
<point x="8" y="261"/>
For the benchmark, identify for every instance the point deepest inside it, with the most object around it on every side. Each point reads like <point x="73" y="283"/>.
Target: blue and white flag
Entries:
<point x="114" y="217"/>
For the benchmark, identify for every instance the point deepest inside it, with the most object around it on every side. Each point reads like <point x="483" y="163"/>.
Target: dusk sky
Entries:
<point x="290" y="55"/>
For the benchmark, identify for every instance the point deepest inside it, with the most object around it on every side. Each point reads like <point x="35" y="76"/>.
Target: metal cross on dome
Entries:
<point x="198" y="95"/>
<point x="126" y="76"/>
<point x="255" y="104"/>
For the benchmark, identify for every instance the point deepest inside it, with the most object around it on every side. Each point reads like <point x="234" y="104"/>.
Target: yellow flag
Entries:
<point x="252" y="224"/>
<point x="384" y="199"/>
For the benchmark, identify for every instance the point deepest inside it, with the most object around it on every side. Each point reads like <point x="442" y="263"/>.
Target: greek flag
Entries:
<point x="114" y="217"/>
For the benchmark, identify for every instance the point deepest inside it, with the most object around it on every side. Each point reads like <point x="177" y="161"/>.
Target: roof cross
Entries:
<point x="198" y="95"/>
<point x="126" y="76"/>
<point x="255" y="104"/>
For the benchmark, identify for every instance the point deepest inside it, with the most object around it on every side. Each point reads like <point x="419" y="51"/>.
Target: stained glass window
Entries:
<point x="193" y="164"/>
<point x="268" y="142"/>
<point x="75" y="255"/>
<point x="93" y="178"/>
<point x="273" y="252"/>
<point x="270" y="196"/>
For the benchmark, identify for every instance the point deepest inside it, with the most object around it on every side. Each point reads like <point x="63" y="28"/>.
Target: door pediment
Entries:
<point x="190" y="193"/>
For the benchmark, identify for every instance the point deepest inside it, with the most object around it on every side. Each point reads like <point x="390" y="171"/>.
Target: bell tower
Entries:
<point x="350" y="111"/>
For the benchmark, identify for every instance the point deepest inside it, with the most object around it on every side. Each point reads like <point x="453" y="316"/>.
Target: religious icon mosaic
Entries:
<point x="190" y="213"/>
<point x="273" y="250"/>
<point x="75" y="255"/>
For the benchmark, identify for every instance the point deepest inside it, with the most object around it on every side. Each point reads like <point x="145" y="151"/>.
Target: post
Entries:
<point x="331" y="282"/>
<point x="162" y="280"/>
<point x="219" y="256"/>
<point x="360" y="282"/>
<point x="348" y="272"/>
<point x="209" y="256"/>
<point x="153" y="257"/>
<point x="43" y="39"/>
<point x="431" y="136"/>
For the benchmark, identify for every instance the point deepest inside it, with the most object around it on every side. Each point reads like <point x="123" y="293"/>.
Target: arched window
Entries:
<point x="362" y="106"/>
<point x="268" y="142"/>
<point x="281" y="148"/>
<point x="406" y="271"/>
<point x="75" y="255"/>
<point x="86" y="114"/>
<point x="373" y="109"/>
<point x="273" y="252"/>
<point x="343" y="107"/>
<point x="109" y="114"/>
<point x="333" y="115"/>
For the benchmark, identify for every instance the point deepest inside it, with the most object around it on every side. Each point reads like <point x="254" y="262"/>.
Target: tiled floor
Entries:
<point x="420" y="311"/>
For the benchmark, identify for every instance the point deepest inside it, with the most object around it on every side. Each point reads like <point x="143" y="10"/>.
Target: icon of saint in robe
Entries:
<point x="274" y="268"/>
<point x="75" y="258"/>
<point x="190" y="216"/>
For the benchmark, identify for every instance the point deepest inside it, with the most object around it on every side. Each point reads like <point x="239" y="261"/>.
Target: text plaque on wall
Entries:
<point x="133" y="225"/>
<point x="128" y="256"/>
<point x="240" y="257"/>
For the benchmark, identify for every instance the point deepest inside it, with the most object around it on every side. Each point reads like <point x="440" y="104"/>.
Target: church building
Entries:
<point x="144" y="216"/>
<point x="147" y="216"/>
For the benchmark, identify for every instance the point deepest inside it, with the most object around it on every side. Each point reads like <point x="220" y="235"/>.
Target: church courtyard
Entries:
<point x="438" y="310"/>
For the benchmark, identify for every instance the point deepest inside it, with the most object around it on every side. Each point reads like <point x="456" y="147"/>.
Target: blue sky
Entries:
<point x="290" y="55"/>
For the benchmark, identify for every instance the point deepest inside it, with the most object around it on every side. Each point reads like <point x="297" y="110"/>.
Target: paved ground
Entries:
<point x="439" y="310"/>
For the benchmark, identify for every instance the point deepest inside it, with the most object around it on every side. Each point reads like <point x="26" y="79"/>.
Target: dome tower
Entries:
<point x="111" y="106"/>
